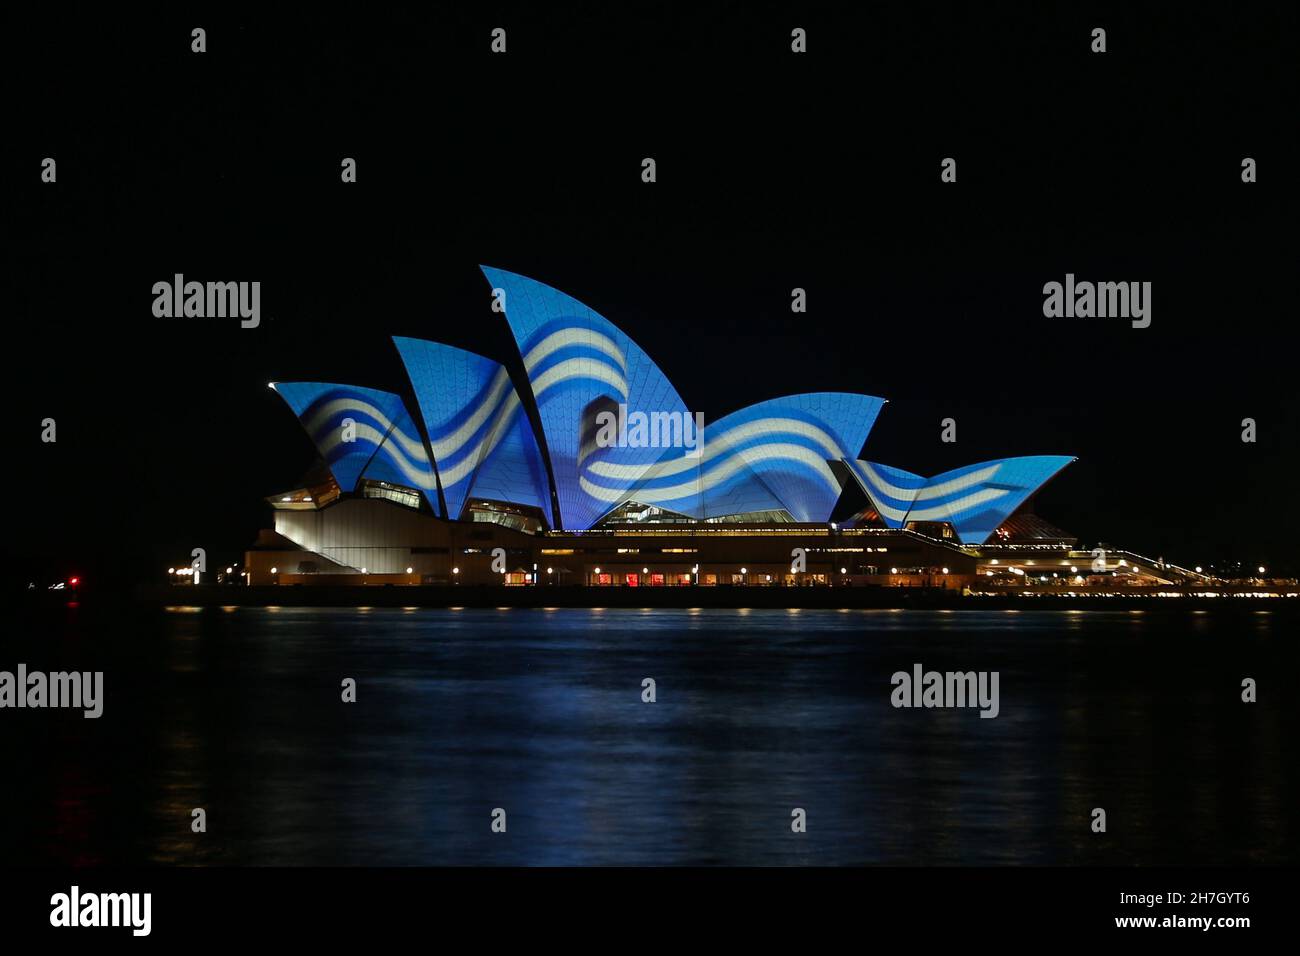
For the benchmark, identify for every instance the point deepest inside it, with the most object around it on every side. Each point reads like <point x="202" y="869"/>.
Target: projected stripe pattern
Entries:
<point x="579" y="364"/>
<point x="975" y="499"/>
<point x="771" y="456"/>
<point x="387" y="445"/>
<point x="483" y="445"/>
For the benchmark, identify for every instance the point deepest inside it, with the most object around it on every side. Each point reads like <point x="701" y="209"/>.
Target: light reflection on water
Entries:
<point x="758" y="712"/>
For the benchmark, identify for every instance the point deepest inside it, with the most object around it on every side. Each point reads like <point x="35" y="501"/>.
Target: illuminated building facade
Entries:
<point x="581" y="463"/>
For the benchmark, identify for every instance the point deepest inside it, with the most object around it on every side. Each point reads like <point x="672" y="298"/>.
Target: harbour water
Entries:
<point x="540" y="713"/>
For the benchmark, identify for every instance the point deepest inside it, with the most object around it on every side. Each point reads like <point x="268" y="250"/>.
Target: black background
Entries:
<point x="774" y="171"/>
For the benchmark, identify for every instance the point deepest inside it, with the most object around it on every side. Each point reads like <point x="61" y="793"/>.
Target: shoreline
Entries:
<point x="734" y="597"/>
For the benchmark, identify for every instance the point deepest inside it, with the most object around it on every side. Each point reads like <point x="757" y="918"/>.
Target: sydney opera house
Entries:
<point x="586" y="467"/>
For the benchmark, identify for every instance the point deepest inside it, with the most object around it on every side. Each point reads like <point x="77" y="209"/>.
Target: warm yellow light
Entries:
<point x="275" y="570"/>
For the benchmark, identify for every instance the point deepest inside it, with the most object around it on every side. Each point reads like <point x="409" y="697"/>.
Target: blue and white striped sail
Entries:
<point x="772" y="456"/>
<point x="483" y="445"/>
<point x="891" y="490"/>
<point x="579" y="365"/>
<point x="385" y="444"/>
<point x="974" y="499"/>
<point x="775" y="455"/>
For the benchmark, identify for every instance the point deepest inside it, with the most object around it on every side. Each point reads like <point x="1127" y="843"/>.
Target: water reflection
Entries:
<point x="758" y="712"/>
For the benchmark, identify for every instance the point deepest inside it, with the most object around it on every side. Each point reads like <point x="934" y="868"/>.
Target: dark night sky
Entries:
<point x="775" y="171"/>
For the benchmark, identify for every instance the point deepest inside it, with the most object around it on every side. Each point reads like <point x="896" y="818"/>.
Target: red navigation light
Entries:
<point x="74" y="581"/>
